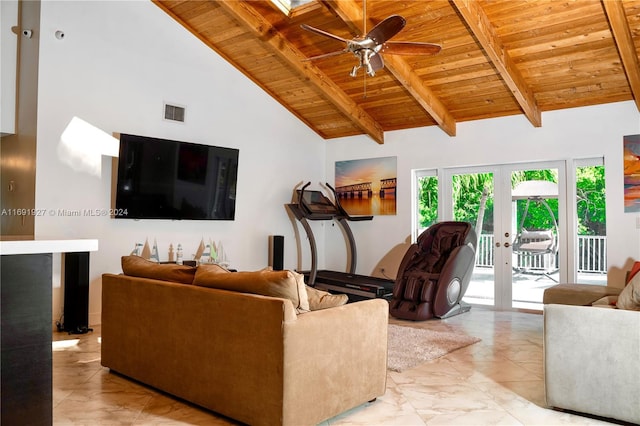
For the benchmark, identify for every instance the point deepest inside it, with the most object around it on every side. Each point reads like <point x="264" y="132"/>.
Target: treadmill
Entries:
<point x="314" y="205"/>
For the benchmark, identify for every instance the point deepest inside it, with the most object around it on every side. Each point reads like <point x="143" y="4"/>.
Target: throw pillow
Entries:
<point x="205" y="270"/>
<point x="136" y="266"/>
<point x="629" y="297"/>
<point x="634" y="270"/>
<point x="606" y="302"/>
<point x="319" y="299"/>
<point x="284" y="284"/>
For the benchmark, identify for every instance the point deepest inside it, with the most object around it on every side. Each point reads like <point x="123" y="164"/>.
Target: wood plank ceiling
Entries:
<point x="498" y="58"/>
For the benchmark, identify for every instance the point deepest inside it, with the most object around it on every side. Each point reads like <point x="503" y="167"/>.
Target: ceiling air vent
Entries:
<point x="174" y="113"/>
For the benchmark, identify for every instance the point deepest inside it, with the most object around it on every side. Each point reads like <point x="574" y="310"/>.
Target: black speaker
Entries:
<point x="276" y="252"/>
<point x="76" y="293"/>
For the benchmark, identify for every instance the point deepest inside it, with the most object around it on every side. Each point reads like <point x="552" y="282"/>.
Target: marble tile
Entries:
<point x="390" y="409"/>
<point x="495" y="381"/>
<point x="164" y="410"/>
<point x="480" y="417"/>
<point x="441" y="399"/>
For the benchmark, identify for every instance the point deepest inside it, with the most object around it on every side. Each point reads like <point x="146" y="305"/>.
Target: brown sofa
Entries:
<point x="247" y="356"/>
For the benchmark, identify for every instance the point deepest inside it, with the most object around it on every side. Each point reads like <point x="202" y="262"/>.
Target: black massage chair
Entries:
<point x="435" y="273"/>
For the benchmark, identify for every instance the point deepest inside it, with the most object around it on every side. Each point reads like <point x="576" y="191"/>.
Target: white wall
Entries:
<point x="117" y="64"/>
<point x="575" y="133"/>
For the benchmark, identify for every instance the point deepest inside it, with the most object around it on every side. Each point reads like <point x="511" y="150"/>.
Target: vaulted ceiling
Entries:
<point x="498" y="58"/>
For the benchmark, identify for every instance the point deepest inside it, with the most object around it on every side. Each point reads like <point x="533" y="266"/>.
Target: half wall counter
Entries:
<point x="26" y="271"/>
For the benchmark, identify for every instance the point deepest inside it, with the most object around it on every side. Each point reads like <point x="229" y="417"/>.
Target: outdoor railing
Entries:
<point x="484" y="252"/>
<point x="592" y="255"/>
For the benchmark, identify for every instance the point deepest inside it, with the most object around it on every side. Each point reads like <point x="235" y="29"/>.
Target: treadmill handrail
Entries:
<point x="301" y="216"/>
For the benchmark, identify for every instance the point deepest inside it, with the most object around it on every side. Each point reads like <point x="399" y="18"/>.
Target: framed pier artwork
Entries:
<point x="367" y="187"/>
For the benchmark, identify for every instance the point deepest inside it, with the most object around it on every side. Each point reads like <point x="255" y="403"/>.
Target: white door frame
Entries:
<point x="503" y="293"/>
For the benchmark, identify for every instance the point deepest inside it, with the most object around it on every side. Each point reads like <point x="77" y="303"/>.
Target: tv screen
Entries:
<point x="165" y="179"/>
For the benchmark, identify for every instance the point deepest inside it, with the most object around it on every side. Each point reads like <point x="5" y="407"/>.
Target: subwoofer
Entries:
<point x="276" y="252"/>
<point x="76" y="293"/>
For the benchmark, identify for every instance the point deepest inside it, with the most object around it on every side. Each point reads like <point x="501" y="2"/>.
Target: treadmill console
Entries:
<point x="315" y="202"/>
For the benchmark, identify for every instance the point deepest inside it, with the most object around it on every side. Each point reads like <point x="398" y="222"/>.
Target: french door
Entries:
<point x="519" y="211"/>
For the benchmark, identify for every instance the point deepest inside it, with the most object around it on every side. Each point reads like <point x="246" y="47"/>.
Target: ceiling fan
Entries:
<point x="369" y="48"/>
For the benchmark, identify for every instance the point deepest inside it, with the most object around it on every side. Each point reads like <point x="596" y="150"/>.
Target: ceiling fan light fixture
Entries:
<point x="368" y="49"/>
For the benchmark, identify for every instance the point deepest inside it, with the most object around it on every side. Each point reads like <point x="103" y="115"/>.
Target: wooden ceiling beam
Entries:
<point x="351" y="14"/>
<point x="482" y="28"/>
<point x="260" y="26"/>
<point x="614" y="10"/>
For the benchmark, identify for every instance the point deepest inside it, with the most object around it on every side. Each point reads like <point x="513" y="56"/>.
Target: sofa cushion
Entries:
<point x="319" y="299"/>
<point x="284" y="284"/>
<point x="136" y="266"/>
<point x="629" y="297"/>
<point x="208" y="269"/>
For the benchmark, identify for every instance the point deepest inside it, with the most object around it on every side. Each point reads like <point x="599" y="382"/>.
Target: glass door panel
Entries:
<point x="535" y="247"/>
<point x="518" y="227"/>
<point x="472" y="196"/>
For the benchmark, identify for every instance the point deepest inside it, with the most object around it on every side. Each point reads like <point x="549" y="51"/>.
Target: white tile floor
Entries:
<point x="496" y="381"/>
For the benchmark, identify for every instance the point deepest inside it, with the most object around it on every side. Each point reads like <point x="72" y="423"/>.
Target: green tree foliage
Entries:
<point x="591" y="200"/>
<point x="428" y="201"/>
<point x="468" y="200"/>
<point x="537" y="215"/>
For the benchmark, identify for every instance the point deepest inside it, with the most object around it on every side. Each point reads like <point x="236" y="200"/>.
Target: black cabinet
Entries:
<point x="25" y="339"/>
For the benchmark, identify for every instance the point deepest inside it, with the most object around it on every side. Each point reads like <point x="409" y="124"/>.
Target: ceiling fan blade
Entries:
<point x="327" y="55"/>
<point x="322" y="33"/>
<point x="386" y="29"/>
<point x="376" y="62"/>
<point x="410" y="48"/>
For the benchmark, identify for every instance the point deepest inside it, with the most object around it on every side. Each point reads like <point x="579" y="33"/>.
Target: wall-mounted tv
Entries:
<point x="165" y="179"/>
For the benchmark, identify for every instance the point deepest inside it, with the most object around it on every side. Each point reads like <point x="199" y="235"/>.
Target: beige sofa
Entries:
<point x="592" y="353"/>
<point x="592" y="360"/>
<point x="247" y="356"/>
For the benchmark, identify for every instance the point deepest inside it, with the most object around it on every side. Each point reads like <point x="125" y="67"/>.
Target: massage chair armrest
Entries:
<point x="458" y="267"/>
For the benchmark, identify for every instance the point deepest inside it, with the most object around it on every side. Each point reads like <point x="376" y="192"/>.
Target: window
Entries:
<point x="426" y="200"/>
<point x="591" y="221"/>
<point x="286" y="6"/>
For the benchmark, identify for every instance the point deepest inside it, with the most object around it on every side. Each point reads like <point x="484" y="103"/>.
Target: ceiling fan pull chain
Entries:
<point x="364" y="85"/>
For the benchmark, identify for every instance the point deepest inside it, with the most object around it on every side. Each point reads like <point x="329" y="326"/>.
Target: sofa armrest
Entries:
<point x="591" y="360"/>
<point x="335" y="360"/>
<point x="577" y="294"/>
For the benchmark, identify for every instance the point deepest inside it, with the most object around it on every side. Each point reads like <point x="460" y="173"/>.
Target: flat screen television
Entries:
<point x="166" y="179"/>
